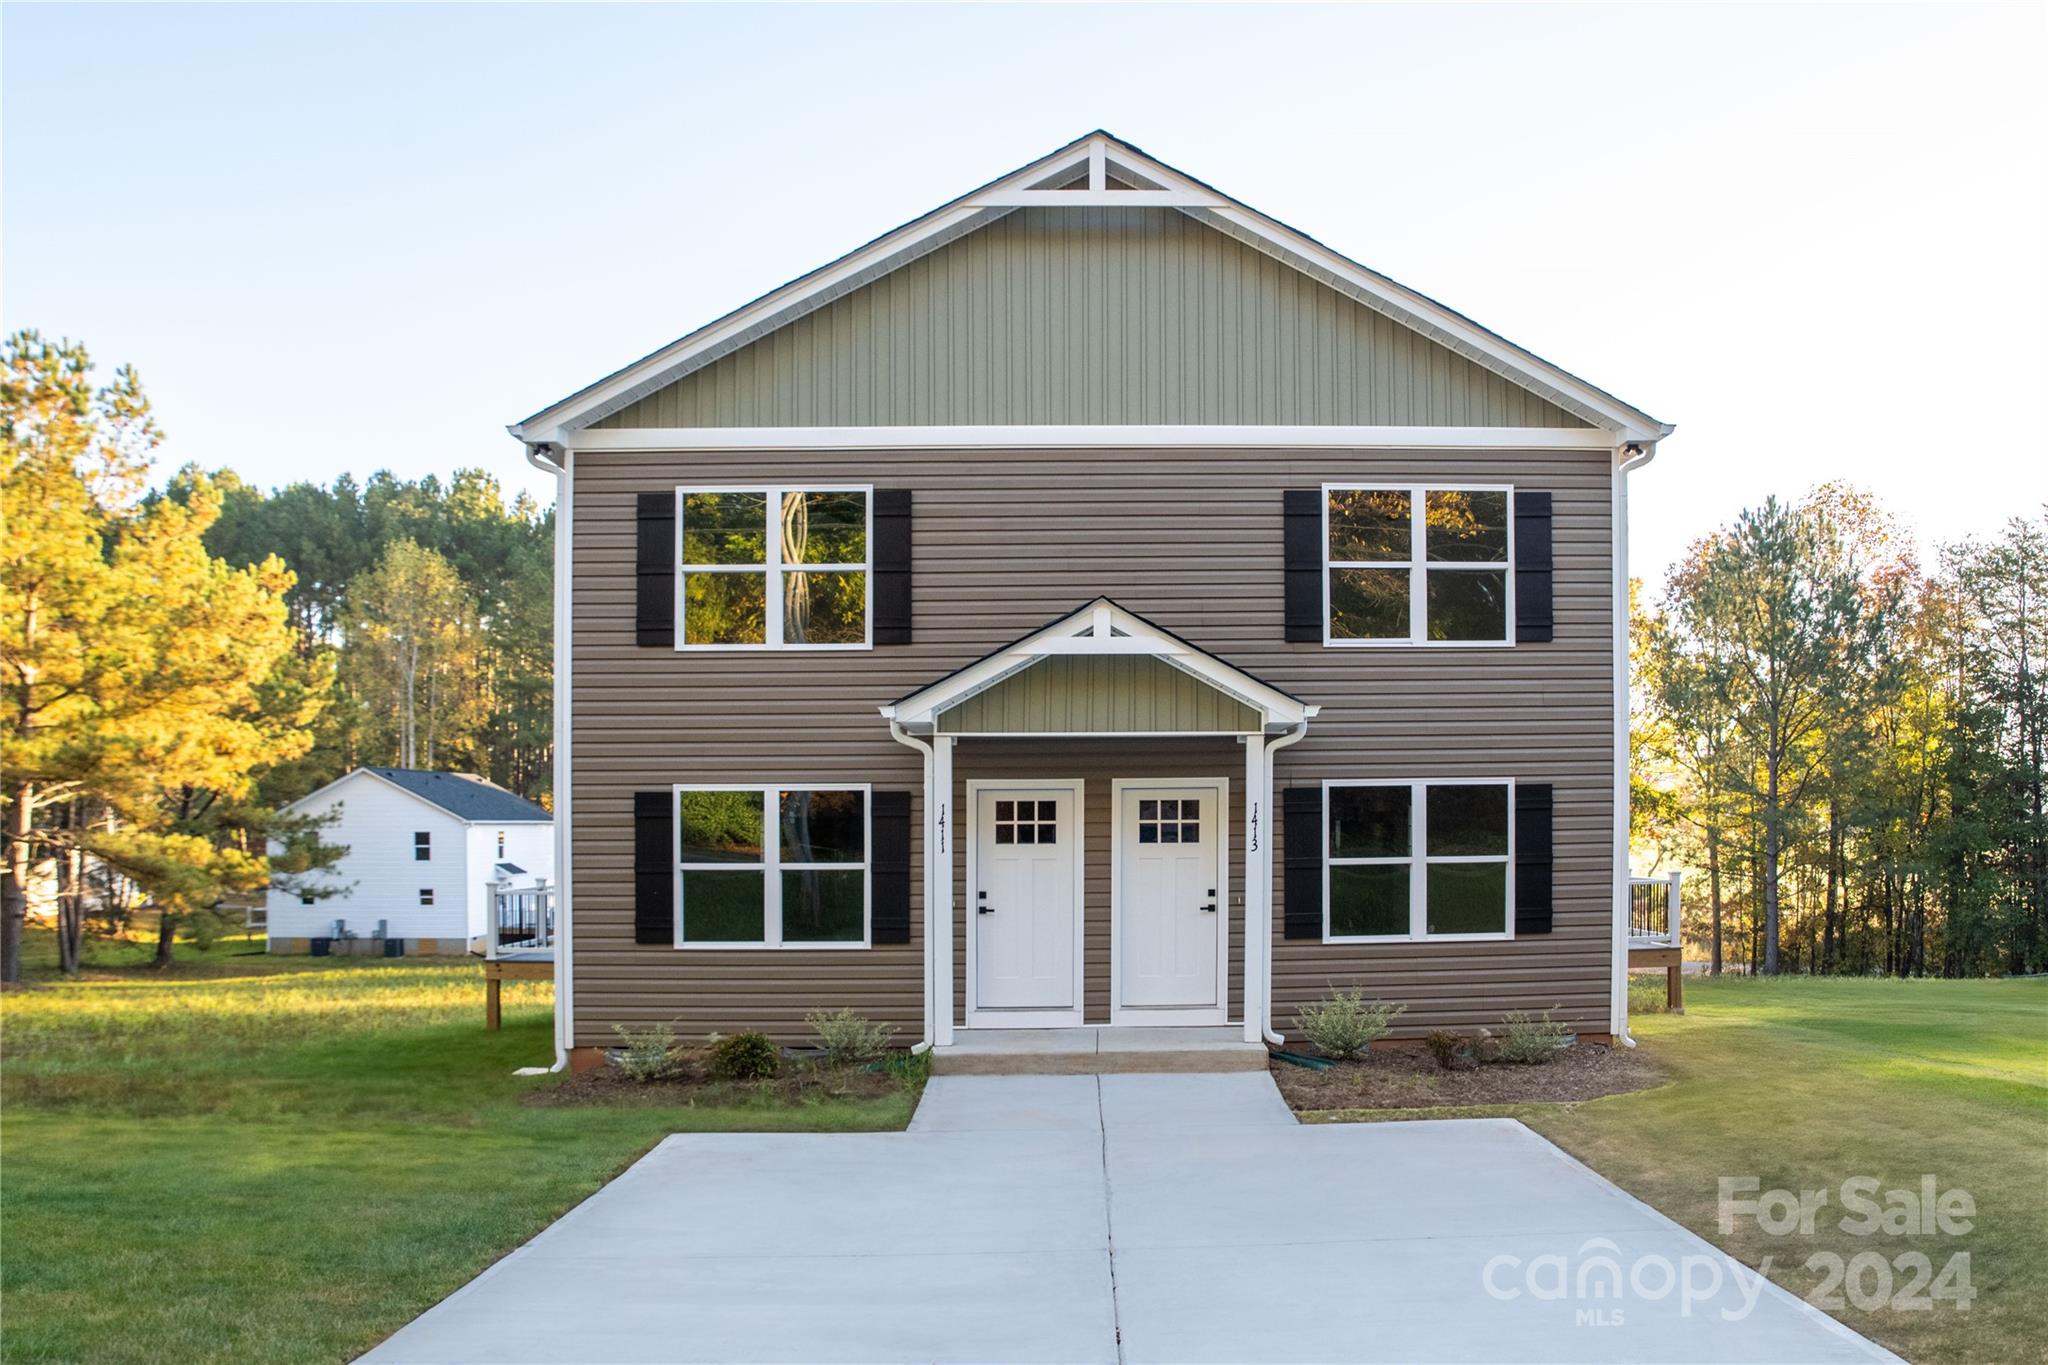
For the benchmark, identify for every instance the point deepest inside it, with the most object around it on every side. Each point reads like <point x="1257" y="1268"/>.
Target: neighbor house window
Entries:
<point x="422" y="847"/>
<point x="426" y="895"/>
<point x="772" y="867"/>
<point x="501" y="843"/>
<point x="772" y="568"/>
<point x="1413" y="565"/>
<point x="1413" y="860"/>
<point x="309" y="900"/>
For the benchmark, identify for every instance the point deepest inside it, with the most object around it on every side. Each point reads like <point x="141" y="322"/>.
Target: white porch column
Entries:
<point x="1258" y="905"/>
<point x="939" y="909"/>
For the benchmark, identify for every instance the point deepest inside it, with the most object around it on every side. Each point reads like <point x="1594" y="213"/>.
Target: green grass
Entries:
<point x="271" y="1158"/>
<point x="1805" y="1083"/>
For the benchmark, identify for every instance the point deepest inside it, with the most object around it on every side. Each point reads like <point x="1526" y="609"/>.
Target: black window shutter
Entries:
<point x="1303" y="893"/>
<point x="889" y="869"/>
<point x="1532" y="568"/>
<point x="654" y="882"/>
<point x="892" y="567"/>
<point x="1532" y="858"/>
<point x="1301" y="540"/>
<point x="654" y="570"/>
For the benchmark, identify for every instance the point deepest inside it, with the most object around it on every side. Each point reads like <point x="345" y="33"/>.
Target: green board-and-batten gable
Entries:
<point x="1092" y="316"/>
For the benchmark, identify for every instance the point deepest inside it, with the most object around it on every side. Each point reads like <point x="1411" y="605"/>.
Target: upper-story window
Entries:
<point x="1418" y="565"/>
<point x="422" y="846"/>
<point x="773" y="568"/>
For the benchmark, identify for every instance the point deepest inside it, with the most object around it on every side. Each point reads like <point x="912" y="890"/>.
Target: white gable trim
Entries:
<point x="410" y="795"/>
<point x="1100" y="628"/>
<point x="1097" y="152"/>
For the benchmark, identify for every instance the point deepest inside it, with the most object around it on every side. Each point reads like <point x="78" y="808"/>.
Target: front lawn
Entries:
<point x="1803" y="1084"/>
<point x="270" y="1158"/>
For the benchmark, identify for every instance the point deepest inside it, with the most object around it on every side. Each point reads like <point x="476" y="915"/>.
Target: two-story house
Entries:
<point x="1092" y="603"/>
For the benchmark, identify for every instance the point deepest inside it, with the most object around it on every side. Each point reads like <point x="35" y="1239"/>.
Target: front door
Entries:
<point x="1024" y="905"/>
<point x="1171" y="906"/>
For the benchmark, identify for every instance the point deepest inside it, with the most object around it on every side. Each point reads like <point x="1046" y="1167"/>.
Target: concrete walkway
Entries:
<point x="1122" y="1218"/>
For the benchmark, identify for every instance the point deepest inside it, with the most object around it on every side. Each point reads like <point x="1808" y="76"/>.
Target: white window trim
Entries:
<point x="1419" y="859"/>
<point x="773" y="568"/>
<point x="771" y="865"/>
<point x="1419" y="566"/>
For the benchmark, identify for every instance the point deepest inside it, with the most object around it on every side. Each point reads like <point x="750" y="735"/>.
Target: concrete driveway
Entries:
<point x="1134" y="1218"/>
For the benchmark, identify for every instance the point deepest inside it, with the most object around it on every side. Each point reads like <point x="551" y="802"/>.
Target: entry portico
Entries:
<point x="1104" y="787"/>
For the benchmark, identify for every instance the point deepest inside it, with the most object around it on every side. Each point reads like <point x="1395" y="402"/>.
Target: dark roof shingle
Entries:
<point x="465" y="798"/>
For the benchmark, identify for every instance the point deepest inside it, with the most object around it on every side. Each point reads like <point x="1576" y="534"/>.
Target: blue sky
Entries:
<point x="345" y="238"/>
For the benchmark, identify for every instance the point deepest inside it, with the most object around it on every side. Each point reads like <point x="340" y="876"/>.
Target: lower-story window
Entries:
<point x="1418" y="860"/>
<point x="772" y="867"/>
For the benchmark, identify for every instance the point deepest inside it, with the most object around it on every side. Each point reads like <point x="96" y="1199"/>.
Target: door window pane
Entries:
<point x="1467" y="527"/>
<point x="1369" y="604"/>
<point x="1468" y="821"/>
<point x="725" y="528"/>
<point x="1370" y="899"/>
<point x="824" y="608"/>
<point x="1468" y="898"/>
<point x="823" y="906"/>
<point x="722" y="827"/>
<point x="1369" y="822"/>
<point x="724" y="907"/>
<point x="1468" y="604"/>
<point x="725" y="609"/>
<point x="1370" y="524"/>
<point x="823" y="827"/>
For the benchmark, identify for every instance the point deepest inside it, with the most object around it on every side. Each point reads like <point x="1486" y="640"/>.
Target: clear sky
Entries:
<point x="359" y="237"/>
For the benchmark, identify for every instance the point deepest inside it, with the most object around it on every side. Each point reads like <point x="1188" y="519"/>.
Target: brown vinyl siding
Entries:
<point x="1092" y="316"/>
<point x="1007" y="541"/>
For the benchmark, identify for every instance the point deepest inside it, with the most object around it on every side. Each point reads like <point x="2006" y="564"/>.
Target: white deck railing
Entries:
<point x="1653" y="911"/>
<point x="522" y="922"/>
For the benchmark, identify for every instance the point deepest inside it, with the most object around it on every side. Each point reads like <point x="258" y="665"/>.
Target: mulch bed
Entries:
<point x="799" y="1082"/>
<point x="1409" y="1078"/>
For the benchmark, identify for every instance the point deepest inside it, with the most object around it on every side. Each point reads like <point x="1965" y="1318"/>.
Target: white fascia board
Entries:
<point x="1082" y="437"/>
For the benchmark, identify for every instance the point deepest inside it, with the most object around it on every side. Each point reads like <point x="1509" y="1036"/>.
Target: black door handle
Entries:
<point x="984" y="909"/>
<point x="1209" y="908"/>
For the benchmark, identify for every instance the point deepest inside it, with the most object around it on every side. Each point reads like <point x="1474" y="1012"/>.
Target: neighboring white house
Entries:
<point x="423" y="851"/>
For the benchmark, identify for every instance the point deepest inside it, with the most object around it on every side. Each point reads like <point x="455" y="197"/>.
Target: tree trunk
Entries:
<point x="1714" y="889"/>
<point x="166" y="935"/>
<point x="1831" y="950"/>
<point x="14" y="886"/>
<point x="1772" y="838"/>
<point x="71" y="896"/>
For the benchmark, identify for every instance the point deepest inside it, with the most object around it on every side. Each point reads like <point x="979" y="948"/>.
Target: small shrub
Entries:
<point x="1344" y="1023"/>
<point x="848" y="1038"/>
<point x="1529" y="1039"/>
<point x="744" y="1057"/>
<point x="647" y="1054"/>
<point x="1453" y="1051"/>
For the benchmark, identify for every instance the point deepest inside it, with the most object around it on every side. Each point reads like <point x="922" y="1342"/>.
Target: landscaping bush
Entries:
<point x="1344" y="1023"/>
<point x="1646" y="993"/>
<point x="647" y="1054"/>
<point x="848" y="1038"/>
<point x="744" y="1057"/>
<point x="1529" y="1039"/>
<point x="1453" y="1051"/>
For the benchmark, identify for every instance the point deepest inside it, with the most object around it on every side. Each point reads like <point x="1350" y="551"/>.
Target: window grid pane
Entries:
<point x="1385" y="549"/>
<point x="775" y="568"/>
<point x="805" y="885"/>
<point x="1451" y="872"/>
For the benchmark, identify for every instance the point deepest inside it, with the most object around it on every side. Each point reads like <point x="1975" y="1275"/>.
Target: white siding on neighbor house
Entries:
<point x="529" y="846"/>
<point x="383" y="878"/>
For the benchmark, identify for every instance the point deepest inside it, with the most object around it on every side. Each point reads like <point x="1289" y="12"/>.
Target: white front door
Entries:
<point x="1171" y="903"/>
<point x="1024" y="906"/>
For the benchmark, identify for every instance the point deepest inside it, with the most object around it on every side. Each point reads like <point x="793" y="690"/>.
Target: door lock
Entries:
<point x="983" y="909"/>
<point x="1210" y="908"/>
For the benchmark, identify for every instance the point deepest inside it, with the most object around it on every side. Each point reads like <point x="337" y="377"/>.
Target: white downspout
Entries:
<point x="1630" y="457"/>
<point x="897" y="733"/>
<point x="539" y="456"/>
<point x="1294" y="736"/>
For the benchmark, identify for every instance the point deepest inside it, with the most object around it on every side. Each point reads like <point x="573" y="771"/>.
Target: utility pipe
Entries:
<point x="1265" y="939"/>
<point x="1632" y="456"/>
<point x="901" y="736"/>
<point x="553" y="460"/>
